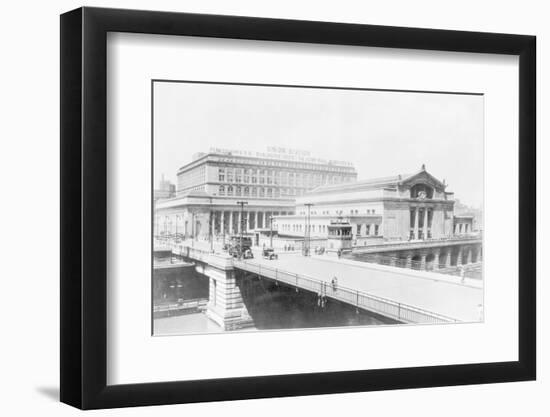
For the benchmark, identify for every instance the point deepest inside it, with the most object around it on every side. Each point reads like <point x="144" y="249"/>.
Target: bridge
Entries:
<point x="446" y="254"/>
<point x="404" y="295"/>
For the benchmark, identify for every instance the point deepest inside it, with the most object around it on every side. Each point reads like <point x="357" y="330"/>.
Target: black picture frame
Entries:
<point x="84" y="179"/>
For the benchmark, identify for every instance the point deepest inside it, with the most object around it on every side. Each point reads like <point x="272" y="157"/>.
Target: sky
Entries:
<point x="381" y="133"/>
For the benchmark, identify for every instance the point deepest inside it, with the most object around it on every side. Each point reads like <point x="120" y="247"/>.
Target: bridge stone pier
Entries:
<point x="225" y="302"/>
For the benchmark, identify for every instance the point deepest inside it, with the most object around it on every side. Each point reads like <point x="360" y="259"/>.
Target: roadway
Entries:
<point x="430" y="291"/>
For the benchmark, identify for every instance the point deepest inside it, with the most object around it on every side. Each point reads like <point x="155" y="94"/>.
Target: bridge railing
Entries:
<point x="385" y="307"/>
<point x="429" y="265"/>
<point x="414" y="244"/>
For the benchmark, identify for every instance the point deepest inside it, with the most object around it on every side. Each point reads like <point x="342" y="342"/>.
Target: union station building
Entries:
<point x="398" y="208"/>
<point x="321" y="202"/>
<point x="209" y="187"/>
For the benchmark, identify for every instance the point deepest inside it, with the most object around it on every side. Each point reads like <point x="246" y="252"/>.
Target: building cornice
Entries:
<point x="252" y="160"/>
<point x="410" y="201"/>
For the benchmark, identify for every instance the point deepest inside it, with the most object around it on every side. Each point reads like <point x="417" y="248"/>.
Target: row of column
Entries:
<point x="233" y="221"/>
<point x="435" y="258"/>
<point x="415" y="229"/>
<point x="459" y="229"/>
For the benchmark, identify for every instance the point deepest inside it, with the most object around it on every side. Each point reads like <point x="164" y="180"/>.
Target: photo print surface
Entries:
<point x="292" y="207"/>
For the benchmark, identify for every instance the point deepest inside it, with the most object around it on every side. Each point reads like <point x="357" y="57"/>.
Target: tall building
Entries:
<point x="165" y="189"/>
<point x="277" y="173"/>
<point x="209" y="187"/>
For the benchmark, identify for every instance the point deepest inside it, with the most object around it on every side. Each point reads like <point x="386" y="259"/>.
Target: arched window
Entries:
<point x="222" y="190"/>
<point x="230" y="190"/>
<point x="422" y="191"/>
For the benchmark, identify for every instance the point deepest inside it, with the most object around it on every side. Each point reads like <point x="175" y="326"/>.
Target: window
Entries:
<point x="238" y="191"/>
<point x="375" y="230"/>
<point x="261" y="189"/>
<point x="229" y="175"/>
<point x="246" y="191"/>
<point x="221" y="174"/>
<point x="221" y="190"/>
<point x="269" y="192"/>
<point x="247" y="176"/>
<point x="229" y="190"/>
<point x="238" y="175"/>
<point x="367" y="229"/>
<point x="422" y="191"/>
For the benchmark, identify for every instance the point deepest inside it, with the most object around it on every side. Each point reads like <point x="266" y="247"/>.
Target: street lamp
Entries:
<point x="307" y="232"/>
<point x="271" y="231"/>
<point x="241" y="203"/>
<point x="212" y="225"/>
<point x="192" y="229"/>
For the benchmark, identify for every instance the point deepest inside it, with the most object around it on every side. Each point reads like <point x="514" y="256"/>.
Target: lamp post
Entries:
<point x="177" y="217"/>
<point x="271" y="231"/>
<point x="307" y="232"/>
<point x="192" y="229"/>
<point x="212" y="225"/>
<point x="241" y="203"/>
<point x="222" y="226"/>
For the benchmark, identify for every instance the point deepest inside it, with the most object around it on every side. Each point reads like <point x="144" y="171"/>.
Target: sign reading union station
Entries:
<point x="276" y="152"/>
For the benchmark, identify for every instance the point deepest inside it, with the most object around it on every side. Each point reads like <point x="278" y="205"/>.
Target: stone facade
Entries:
<point x="400" y="208"/>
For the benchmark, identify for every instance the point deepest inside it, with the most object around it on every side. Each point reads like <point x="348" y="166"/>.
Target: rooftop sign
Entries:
<point x="276" y="152"/>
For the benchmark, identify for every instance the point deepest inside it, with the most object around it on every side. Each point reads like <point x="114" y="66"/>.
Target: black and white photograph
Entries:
<point x="286" y="207"/>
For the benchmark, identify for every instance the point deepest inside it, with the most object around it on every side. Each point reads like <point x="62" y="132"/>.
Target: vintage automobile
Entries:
<point x="236" y="252"/>
<point x="319" y="250"/>
<point x="269" y="253"/>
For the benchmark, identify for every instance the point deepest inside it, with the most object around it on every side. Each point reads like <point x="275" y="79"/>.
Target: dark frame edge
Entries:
<point x="70" y="220"/>
<point x="527" y="268"/>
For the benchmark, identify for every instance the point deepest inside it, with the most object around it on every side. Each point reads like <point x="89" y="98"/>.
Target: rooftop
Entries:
<point x="377" y="183"/>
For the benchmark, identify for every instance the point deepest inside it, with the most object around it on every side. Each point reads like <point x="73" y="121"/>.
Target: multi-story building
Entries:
<point x="278" y="173"/>
<point x="403" y="220"/>
<point x="209" y="187"/>
<point x="398" y="208"/>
